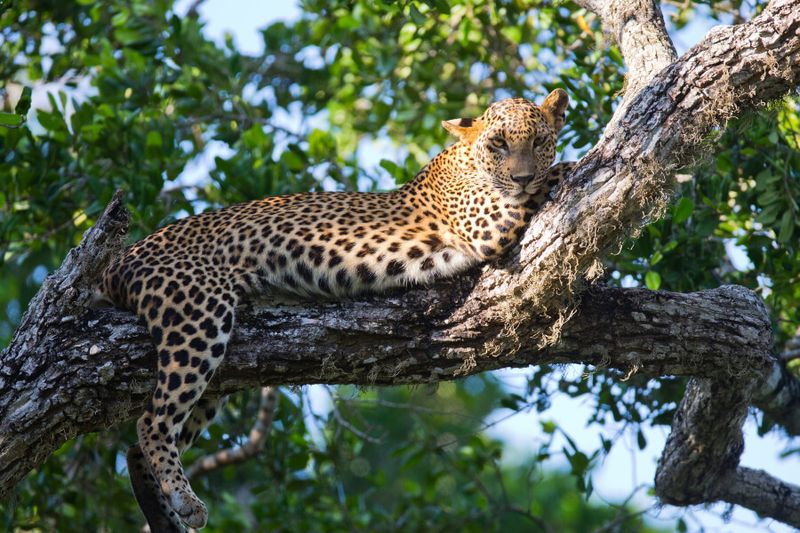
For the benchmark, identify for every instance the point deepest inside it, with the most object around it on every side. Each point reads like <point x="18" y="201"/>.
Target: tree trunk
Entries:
<point x="70" y="369"/>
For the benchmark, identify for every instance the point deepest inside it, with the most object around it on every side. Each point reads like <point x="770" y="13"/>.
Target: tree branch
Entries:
<point x="627" y="178"/>
<point x="700" y="462"/>
<point x="67" y="381"/>
<point x="253" y="446"/>
<point x="791" y="350"/>
<point x="767" y="496"/>
<point x="779" y="398"/>
<point x="638" y="28"/>
<point x="706" y="439"/>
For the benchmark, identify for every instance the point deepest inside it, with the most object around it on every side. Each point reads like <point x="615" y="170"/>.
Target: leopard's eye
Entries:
<point x="498" y="144"/>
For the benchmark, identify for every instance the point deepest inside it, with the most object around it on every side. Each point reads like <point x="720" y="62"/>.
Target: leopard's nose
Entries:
<point x="522" y="180"/>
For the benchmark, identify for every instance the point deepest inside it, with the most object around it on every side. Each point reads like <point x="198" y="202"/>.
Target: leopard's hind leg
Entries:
<point x="202" y="415"/>
<point x="190" y="327"/>
<point x="154" y="505"/>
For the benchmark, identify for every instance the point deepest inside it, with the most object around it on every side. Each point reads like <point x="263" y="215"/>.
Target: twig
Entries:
<point x="253" y="445"/>
<point x="347" y="425"/>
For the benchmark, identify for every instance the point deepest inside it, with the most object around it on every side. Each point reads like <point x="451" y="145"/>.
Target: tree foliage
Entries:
<point x="134" y="96"/>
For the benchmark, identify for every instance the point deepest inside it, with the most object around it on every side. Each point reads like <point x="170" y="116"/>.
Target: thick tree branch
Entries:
<point x="626" y="179"/>
<point x="638" y="27"/>
<point x="67" y="372"/>
<point x="779" y="398"/>
<point x="767" y="496"/>
<point x="706" y="440"/>
<point x="792" y="349"/>
<point x="700" y="462"/>
<point x="93" y="371"/>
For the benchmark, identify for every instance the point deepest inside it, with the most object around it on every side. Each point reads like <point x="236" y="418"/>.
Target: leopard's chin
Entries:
<point x="516" y="194"/>
<point x="512" y="191"/>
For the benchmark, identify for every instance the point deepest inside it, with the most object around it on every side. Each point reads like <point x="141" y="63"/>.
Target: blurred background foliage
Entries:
<point x="133" y="95"/>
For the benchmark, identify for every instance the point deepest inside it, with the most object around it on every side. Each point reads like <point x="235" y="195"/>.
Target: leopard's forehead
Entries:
<point x="515" y="115"/>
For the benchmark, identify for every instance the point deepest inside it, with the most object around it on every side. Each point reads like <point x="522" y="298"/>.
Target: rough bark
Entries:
<point x="706" y="440"/>
<point x="757" y="490"/>
<point x="700" y="462"/>
<point x="779" y="398"/>
<point x="69" y="370"/>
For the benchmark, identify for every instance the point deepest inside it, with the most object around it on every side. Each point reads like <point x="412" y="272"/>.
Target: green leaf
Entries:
<point x="656" y="258"/>
<point x="346" y="22"/>
<point x="153" y="144"/>
<point x="321" y="144"/>
<point x="442" y="6"/>
<point x="769" y="215"/>
<point x="292" y="160"/>
<point x="512" y="401"/>
<point x="652" y="280"/>
<point x="24" y="103"/>
<point x="91" y="132"/>
<point x="765" y="178"/>
<point x="297" y="461"/>
<point x="549" y="427"/>
<point x="569" y="440"/>
<point x="578" y="461"/>
<point x="153" y="139"/>
<point x="120" y="19"/>
<point x="255" y="138"/>
<point x="682" y="211"/>
<point x="512" y="33"/>
<point x="770" y="196"/>
<point x="128" y="36"/>
<point x="51" y="121"/>
<point x="396" y="171"/>
<point x="640" y="440"/>
<point x="787" y="227"/>
<point x="418" y="18"/>
<point x="11" y="120"/>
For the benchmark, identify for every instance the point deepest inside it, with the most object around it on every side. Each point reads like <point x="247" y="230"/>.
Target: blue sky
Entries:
<point x="626" y="467"/>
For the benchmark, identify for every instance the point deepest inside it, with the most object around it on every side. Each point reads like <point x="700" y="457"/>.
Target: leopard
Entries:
<point x="467" y="206"/>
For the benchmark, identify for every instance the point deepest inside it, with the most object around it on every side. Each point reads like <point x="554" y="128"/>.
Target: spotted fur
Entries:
<point x="468" y="205"/>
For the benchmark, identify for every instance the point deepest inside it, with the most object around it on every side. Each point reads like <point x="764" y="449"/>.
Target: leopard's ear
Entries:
<point x="466" y="129"/>
<point x="555" y="107"/>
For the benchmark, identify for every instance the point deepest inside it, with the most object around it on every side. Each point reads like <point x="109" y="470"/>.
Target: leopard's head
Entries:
<point x="514" y="141"/>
